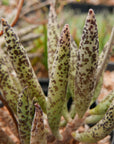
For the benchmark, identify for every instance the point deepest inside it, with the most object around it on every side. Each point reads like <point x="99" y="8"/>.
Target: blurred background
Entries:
<point x="31" y="26"/>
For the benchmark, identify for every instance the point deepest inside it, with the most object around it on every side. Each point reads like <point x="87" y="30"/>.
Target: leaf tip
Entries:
<point x="4" y="22"/>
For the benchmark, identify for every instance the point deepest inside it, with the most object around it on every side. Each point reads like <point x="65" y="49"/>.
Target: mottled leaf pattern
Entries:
<point x="58" y="82"/>
<point x="72" y="67"/>
<point x="73" y="72"/>
<point x="38" y="135"/>
<point x="7" y="86"/>
<point x="100" y="130"/>
<point x="23" y="117"/>
<point x="53" y="36"/>
<point x="22" y="65"/>
<point x="87" y="61"/>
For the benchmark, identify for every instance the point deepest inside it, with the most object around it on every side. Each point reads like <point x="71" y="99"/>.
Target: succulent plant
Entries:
<point x="73" y="72"/>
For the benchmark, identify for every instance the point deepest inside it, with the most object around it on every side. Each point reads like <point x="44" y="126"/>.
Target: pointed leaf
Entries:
<point x="7" y="86"/>
<point x="38" y="135"/>
<point x="23" y="117"/>
<point x="53" y="36"/>
<point x="72" y="67"/>
<point x="58" y="82"/>
<point x="22" y="65"/>
<point x="87" y="61"/>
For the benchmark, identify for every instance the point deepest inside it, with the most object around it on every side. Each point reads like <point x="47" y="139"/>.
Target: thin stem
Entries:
<point x="32" y="21"/>
<point x="18" y="12"/>
<point x="72" y="126"/>
<point x="36" y="7"/>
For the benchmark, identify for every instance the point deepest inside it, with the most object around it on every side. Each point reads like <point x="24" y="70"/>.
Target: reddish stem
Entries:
<point x="17" y="15"/>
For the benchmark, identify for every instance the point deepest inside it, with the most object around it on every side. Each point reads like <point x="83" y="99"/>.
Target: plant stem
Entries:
<point x="74" y="125"/>
<point x="17" y="15"/>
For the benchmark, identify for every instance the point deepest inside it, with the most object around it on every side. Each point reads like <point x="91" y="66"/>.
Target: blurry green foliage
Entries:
<point x="76" y="21"/>
<point x="105" y="22"/>
<point x="5" y="2"/>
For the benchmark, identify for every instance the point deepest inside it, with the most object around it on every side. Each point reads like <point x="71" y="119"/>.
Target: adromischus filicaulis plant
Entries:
<point x="78" y="70"/>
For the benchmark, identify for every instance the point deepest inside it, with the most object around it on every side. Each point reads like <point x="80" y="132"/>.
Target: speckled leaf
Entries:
<point x="71" y="77"/>
<point x="65" y="112"/>
<point x="53" y="36"/>
<point x="102" y="107"/>
<point x="87" y="61"/>
<point x="22" y="65"/>
<point x="11" y="70"/>
<point x="7" y="86"/>
<point x="23" y="117"/>
<point x="100" y="130"/>
<point x="58" y="82"/>
<point x="72" y="67"/>
<point x="38" y="135"/>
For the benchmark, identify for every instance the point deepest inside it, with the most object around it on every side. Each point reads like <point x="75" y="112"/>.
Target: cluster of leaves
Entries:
<point x="73" y="72"/>
<point x="76" y="22"/>
<point x="105" y="23"/>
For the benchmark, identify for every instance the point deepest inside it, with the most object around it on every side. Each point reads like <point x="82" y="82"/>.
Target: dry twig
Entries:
<point x="36" y="7"/>
<point x="17" y="15"/>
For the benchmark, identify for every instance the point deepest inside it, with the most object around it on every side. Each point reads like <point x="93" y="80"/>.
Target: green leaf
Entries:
<point x="100" y="130"/>
<point x="23" y="117"/>
<point x="86" y="65"/>
<point x="58" y="82"/>
<point x="53" y="36"/>
<point x="22" y="65"/>
<point x="38" y="134"/>
<point x="7" y="86"/>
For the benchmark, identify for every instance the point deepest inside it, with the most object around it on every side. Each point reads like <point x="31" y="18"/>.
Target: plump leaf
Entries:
<point x="100" y="130"/>
<point x="23" y="117"/>
<point x="53" y="36"/>
<point x="86" y="65"/>
<point x="102" y="107"/>
<point x="22" y="65"/>
<point x="38" y="134"/>
<point x="72" y="67"/>
<point x="7" y="86"/>
<point x="58" y="82"/>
